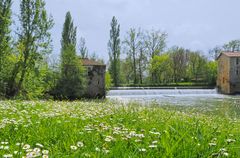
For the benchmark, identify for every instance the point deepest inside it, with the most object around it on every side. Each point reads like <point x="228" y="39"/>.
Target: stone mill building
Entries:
<point x="228" y="81"/>
<point x="95" y="78"/>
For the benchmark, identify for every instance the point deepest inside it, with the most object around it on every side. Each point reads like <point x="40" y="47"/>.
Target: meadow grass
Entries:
<point x="110" y="129"/>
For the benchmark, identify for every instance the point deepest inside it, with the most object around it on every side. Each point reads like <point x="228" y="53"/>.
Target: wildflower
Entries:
<point x="225" y="154"/>
<point x="106" y="151"/>
<point x="97" y="149"/>
<point x="230" y="141"/>
<point x="45" y="152"/>
<point x="222" y="150"/>
<point x="39" y="145"/>
<point x="142" y="150"/>
<point x="32" y="154"/>
<point x="37" y="150"/>
<point x="138" y="140"/>
<point x="73" y="147"/>
<point x="212" y="144"/>
<point x="5" y="147"/>
<point x="109" y="139"/>
<point x="45" y="156"/>
<point x="152" y="146"/>
<point x="26" y="146"/>
<point x="140" y="135"/>
<point x="80" y="144"/>
<point x="8" y="156"/>
<point x="29" y="150"/>
<point x="155" y="142"/>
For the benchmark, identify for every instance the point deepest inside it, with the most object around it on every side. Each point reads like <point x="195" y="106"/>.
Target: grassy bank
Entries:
<point x="105" y="129"/>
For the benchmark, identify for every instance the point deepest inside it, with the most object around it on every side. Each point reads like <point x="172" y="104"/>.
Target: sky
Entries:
<point x="192" y="24"/>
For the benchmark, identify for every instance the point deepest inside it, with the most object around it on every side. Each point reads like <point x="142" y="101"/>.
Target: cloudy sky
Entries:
<point x="194" y="24"/>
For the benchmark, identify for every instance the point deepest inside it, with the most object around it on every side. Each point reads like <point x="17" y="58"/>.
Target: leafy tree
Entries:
<point x="108" y="81"/>
<point x="196" y="64"/>
<point x="33" y="42"/>
<point x="71" y="82"/>
<point x="82" y="48"/>
<point x="142" y="60"/>
<point x="126" y="73"/>
<point x="5" y="22"/>
<point x="155" y="42"/>
<point x="132" y="43"/>
<point x="232" y="46"/>
<point x="114" y="51"/>
<point x="178" y="59"/>
<point x="211" y="72"/>
<point x="160" y="66"/>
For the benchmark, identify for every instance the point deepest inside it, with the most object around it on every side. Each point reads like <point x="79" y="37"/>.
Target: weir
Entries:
<point x="162" y="92"/>
<point x="168" y="96"/>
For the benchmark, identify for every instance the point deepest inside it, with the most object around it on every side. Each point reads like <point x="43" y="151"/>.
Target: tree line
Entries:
<point x="24" y="68"/>
<point x="141" y="58"/>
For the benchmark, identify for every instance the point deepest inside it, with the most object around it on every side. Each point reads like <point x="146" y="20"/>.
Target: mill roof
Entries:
<point x="230" y="54"/>
<point x="89" y="62"/>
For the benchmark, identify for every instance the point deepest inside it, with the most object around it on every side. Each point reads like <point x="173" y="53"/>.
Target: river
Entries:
<point x="189" y="97"/>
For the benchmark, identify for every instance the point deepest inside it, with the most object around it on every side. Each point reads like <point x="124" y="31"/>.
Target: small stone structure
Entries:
<point x="228" y="81"/>
<point x="95" y="78"/>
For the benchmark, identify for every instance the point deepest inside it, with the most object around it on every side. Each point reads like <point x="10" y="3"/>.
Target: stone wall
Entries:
<point x="96" y="81"/>
<point x="223" y="74"/>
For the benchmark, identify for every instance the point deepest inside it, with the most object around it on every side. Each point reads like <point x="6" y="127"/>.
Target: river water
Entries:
<point x="189" y="97"/>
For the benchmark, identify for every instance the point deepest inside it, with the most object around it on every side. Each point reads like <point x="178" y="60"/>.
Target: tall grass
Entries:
<point x="107" y="129"/>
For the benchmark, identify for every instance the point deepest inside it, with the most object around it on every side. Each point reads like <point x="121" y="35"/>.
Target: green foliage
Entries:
<point x="71" y="84"/>
<point x="114" y="51"/>
<point x="155" y="42"/>
<point x="33" y="41"/>
<point x="196" y="66"/>
<point x="108" y="81"/>
<point x="160" y="66"/>
<point x="211" y="72"/>
<point x="83" y="48"/>
<point x="5" y="61"/>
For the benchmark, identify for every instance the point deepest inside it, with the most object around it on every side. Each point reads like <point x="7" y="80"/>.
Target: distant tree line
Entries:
<point x="141" y="58"/>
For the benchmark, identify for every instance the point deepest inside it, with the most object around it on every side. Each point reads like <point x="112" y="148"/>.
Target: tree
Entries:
<point x="211" y="72"/>
<point x="132" y="43"/>
<point x="196" y="64"/>
<point x="142" y="60"/>
<point x="178" y="59"/>
<point x="232" y="46"/>
<point x="5" y="22"/>
<point x="155" y="42"/>
<point x="83" y="48"/>
<point x="114" y="51"/>
<point x="160" y="66"/>
<point x="34" y="41"/>
<point x="71" y="81"/>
